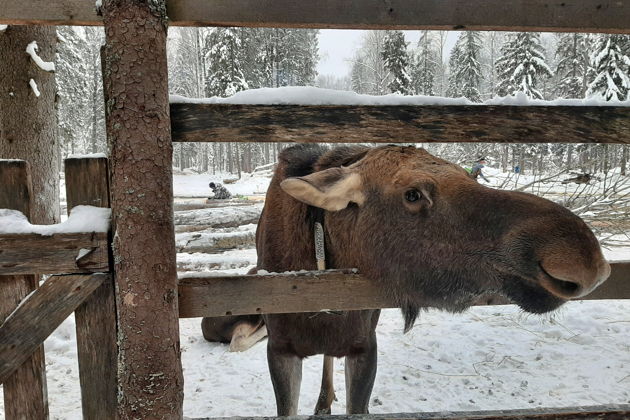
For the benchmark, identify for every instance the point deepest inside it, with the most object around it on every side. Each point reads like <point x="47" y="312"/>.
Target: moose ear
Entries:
<point x="331" y="189"/>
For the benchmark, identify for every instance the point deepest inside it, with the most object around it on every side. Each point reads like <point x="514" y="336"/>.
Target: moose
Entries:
<point x="424" y="232"/>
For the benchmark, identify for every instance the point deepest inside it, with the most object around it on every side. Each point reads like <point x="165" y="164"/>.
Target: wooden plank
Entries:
<point x="55" y="254"/>
<point x="25" y="394"/>
<point x="26" y="328"/>
<point x="399" y="124"/>
<point x="277" y="293"/>
<point x="610" y="412"/>
<point x="315" y="291"/>
<point x="503" y="15"/>
<point x="87" y="183"/>
<point x="98" y="352"/>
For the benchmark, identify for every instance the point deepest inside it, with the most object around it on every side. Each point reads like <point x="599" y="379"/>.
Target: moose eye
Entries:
<point x="412" y="196"/>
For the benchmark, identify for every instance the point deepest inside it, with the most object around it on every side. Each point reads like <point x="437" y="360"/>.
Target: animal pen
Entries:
<point x="134" y="325"/>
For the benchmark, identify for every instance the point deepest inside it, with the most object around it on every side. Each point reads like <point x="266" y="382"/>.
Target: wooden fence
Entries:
<point x="102" y="315"/>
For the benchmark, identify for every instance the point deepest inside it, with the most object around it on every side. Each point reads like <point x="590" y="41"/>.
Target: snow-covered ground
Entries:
<point x="487" y="358"/>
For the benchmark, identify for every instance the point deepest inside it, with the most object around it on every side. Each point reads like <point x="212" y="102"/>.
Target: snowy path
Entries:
<point x="486" y="358"/>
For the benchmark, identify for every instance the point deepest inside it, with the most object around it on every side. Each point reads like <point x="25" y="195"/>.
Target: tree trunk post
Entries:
<point x="150" y="380"/>
<point x="25" y="395"/>
<point x="87" y="183"/>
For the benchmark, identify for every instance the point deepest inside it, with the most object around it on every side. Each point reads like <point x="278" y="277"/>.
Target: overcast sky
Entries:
<point x="337" y="47"/>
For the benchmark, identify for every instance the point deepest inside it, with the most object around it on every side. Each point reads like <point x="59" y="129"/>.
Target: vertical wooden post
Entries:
<point x="87" y="184"/>
<point x="25" y="395"/>
<point x="138" y="132"/>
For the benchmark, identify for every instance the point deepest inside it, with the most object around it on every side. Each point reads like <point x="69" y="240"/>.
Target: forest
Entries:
<point x="205" y="62"/>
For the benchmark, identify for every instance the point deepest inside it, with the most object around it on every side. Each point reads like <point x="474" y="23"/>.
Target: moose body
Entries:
<point x="426" y="233"/>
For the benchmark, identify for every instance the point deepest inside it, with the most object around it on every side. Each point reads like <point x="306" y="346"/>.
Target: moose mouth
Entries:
<point x="540" y="294"/>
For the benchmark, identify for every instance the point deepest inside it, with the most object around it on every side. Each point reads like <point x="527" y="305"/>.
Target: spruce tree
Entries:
<point x="465" y="76"/>
<point x="396" y="61"/>
<point x="612" y="68"/>
<point x="224" y="73"/>
<point x="573" y="65"/>
<point x="521" y="65"/>
<point x="424" y="65"/>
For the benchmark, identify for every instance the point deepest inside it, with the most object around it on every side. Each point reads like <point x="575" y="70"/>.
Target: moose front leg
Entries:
<point x="286" y="377"/>
<point x="360" y="374"/>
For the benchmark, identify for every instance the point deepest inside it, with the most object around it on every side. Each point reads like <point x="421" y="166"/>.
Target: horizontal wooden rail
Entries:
<point x="498" y="15"/>
<point x="39" y="315"/>
<point x="53" y="254"/>
<point x="317" y="291"/>
<point x="399" y="124"/>
<point x="610" y="412"/>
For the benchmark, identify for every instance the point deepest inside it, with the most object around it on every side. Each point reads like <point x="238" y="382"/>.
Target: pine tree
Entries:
<point x="224" y="72"/>
<point x="396" y="62"/>
<point x="521" y="65"/>
<point x="573" y="65"/>
<point x="424" y="65"/>
<point x="612" y="68"/>
<point x="465" y="76"/>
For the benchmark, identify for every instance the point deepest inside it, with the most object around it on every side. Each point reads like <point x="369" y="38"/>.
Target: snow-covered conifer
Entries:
<point x="521" y="65"/>
<point x="224" y="73"/>
<point x="612" y="68"/>
<point x="396" y="61"/>
<point x="573" y="65"/>
<point x="465" y="73"/>
<point x="424" y="64"/>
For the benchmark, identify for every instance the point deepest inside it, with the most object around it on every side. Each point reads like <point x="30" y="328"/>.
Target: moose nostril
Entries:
<point x="568" y="288"/>
<point x="565" y="289"/>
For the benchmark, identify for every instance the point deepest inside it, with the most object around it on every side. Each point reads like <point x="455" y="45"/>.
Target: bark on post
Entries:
<point x="25" y="395"/>
<point x="138" y="130"/>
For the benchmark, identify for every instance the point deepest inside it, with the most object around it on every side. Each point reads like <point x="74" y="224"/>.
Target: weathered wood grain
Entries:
<point x="277" y="293"/>
<point x="55" y="254"/>
<point x="608" y="412"/>
<point x="503" y="15"/>
<point x="316" y="291"/>
<point x="25" y="394"/>
<point x="399" y="124"/>
<point x="26" y="328"/>
<point x="87" y="182"/>
<point x="97" y="351"/>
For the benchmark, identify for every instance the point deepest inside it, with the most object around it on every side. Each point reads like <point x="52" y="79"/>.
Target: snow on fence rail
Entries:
<point x="308" y="114"/>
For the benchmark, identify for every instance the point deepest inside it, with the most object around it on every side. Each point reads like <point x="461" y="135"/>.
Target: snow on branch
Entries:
<point x="33" y="86"/>
<point x="307" y="95"/>
<point x="81" y="219"/>
<point x="31" y="50"/>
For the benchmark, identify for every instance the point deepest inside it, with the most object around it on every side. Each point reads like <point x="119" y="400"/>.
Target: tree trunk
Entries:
<point x="28" y="124"/>
<point x="138" y="132"/>
<point x="624" y="159"/>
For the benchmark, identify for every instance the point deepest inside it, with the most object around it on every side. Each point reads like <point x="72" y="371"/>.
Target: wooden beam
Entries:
<point x="39" y="315"/>
<point x="610" y="412"/>
<point x="399" y="124"/>
<point x="54" y="254"/>
<point x="500" y="15"/>
<point x="316" y="291"/>
<point x="87" y="183"/>
<point x="25" y="394"/>
<point x="135" y="79"/>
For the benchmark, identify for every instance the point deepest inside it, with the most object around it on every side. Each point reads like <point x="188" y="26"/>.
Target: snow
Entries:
<point x="3" y="28"/>
<point x="33" y="86"/>
<point x="88" y="156"/>
<point x="31" y="50"/>
<point x="196" y="185"/>
<point x="307" y="95"/>
<point x="82" y="219"/>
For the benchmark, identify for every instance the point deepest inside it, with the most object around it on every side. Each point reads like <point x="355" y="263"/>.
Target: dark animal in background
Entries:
<point x="579" y="179"/>
<point x="404" y="218"/>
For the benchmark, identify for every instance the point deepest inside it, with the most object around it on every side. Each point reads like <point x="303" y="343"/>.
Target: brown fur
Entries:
<point x="457" y="242"/>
